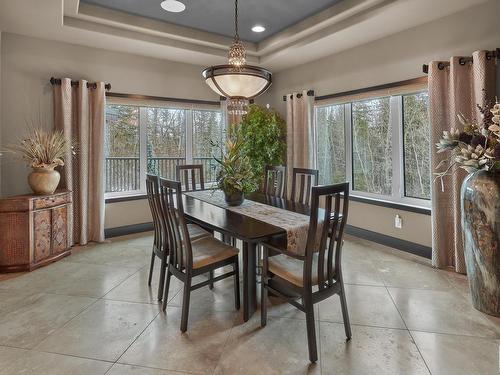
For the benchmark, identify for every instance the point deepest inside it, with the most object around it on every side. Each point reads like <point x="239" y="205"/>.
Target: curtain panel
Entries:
<point x="454" y="89"/>
<point x="300" y="133"/>
<point x="79" y="113"/>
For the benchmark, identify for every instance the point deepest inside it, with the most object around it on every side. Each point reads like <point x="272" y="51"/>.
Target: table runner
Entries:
<point x="296" y="225"/>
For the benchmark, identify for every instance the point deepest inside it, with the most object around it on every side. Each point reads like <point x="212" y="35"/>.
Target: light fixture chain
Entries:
<point x="236" y="19"/>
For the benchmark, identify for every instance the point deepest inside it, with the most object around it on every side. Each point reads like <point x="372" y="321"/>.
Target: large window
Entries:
<point x="155" y="139"/>
<point x="381" y="145"/>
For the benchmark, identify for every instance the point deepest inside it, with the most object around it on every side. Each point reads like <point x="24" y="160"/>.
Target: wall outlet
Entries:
<point x="398" y="222"/>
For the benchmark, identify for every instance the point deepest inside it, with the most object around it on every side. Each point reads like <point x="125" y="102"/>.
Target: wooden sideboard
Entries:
<point x="34" y="230"/>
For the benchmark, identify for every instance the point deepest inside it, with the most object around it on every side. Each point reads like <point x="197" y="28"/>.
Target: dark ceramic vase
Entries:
<point x="234" y="198"/>
<point x="481" y="227"/>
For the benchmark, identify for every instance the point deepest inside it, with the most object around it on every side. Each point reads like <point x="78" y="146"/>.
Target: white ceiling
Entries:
<point x="344" y="25"/>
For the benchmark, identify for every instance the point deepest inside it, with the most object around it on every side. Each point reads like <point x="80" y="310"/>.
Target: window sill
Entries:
<point x="126" y="198"/>
<point x="393" y="205"/>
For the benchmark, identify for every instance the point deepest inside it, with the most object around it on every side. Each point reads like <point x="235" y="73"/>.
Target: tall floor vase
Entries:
<point x="481" y="226"/>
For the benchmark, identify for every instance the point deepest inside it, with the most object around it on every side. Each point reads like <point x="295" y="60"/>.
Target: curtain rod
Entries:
<point x="463" y="60"/>
<point x="93" y="85"/>
<point x="309" y="93"/>
<point x="374" y="88"/>
<point x="160" y="98"/>
<point x="250" y="101"/>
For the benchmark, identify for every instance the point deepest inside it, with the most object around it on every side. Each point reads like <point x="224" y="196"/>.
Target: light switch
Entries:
<point x="398" y="222"/>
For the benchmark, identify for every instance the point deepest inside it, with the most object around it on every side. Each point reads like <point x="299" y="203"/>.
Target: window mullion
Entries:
<point x="396" y="122"/>
<point x="143" y="144"/>
<point x="348" y="143"/>
<point x="189" y="136"/>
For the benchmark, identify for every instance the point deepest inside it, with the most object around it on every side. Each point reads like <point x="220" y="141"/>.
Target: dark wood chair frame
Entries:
<point x="183" y="172"/>
<point x="160" y="248"/>
<point x="329" y="264"/>
<point x="275" y="181"/>
<point x="180" y="263"/>
<point x="308" y="179"/>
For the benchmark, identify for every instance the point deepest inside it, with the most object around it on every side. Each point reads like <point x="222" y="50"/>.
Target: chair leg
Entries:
<point x="165" y="289"/>
<point x="311" y="330"/>
<point x="151" y="267"/>
<point x="263" y="291"/>
<point x="236" y="268"/>
<point x="185" y="303"/>
<point x="211" y="277"/>
<point x="161" y="285"/>
<point x="345" y="313"/>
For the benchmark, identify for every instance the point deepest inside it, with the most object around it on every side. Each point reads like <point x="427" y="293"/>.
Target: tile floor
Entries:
<point x="92" y="313"/>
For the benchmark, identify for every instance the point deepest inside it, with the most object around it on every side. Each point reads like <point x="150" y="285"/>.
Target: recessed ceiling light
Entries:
<point x="174" y="6"/>
<point x="258" y="29"/>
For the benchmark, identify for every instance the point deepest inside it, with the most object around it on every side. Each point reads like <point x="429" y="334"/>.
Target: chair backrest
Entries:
<point x="275" y="181"/>
<point x="307" y="178"/>
<point x="191" y="176"/>
<point x="152" y="189"/>
<point x="334" y="217"/>
<point x="179" y="243"/>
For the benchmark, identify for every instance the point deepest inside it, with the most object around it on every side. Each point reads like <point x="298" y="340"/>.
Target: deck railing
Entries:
<point x="122" y="173"/>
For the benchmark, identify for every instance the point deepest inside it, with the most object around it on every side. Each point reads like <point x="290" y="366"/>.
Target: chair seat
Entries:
<point x="209" y="250"/>
<point x="292" y="270"/>
<point x="196" y="232"/>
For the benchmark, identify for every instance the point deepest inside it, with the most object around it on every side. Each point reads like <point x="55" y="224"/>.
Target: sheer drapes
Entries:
<point x="300" y="133"/>
<point x="79" y="113"/>
<point x="454" y="89"/>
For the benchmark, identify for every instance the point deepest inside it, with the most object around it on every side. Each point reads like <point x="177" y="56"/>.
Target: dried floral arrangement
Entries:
<point x="42" y="149"/>
<point x="476" y="146"/>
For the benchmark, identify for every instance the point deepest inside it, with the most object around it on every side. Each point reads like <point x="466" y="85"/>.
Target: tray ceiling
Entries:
<point x="216" y="16"/>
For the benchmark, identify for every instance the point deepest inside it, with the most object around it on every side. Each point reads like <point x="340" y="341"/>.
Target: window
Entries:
<point x="331" y="143"/>
<point x="416" y="146"/>
<point x="372" y="146"/>
<point x="142" y="138"/>
<point x="381" y="145"/>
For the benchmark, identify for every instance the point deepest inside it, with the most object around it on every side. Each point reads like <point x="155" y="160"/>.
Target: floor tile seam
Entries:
<point x="100" y="264"/>
<point x="409" y="333"/>
<point x="226" y="343"/>
<point x="487" y="338"/>
<point x="154" y="368"/>
<point x="137" y="337"/>
<point x="71" y="355"/>
<point x="120" y="283"/>
<point x="366" y="325"/>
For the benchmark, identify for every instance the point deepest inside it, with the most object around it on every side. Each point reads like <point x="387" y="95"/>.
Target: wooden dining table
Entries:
<point x="249" y="230"/>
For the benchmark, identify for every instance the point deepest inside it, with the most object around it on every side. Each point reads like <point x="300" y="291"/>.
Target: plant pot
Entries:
<point x="44" y="180"/>
<point x="481" y="226"/>
<point x="235" y="198"/>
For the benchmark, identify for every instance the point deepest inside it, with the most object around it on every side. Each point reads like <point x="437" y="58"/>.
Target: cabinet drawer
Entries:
<point x="42" y="233"/>
<point x="50" y="201"/>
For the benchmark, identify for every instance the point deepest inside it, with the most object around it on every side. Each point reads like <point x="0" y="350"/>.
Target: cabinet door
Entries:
<point x="59" y="229"/>
<point x="42" y="234"/>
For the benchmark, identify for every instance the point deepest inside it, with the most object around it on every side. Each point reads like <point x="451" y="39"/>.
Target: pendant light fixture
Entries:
<point x="237" y="81"/>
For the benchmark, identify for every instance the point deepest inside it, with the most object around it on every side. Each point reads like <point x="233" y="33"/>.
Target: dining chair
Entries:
<point x="191" y="176"/>
<point x="275" y="181"/>
<point x="190" y="258"/>
<point x="160" y="244"/>
<point x="306" y="280"/>
<point x="307" y="179"/>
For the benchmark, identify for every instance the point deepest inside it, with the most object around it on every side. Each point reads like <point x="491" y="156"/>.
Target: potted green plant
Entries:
<point x="476" y="149"/>
<point x="264" y="139"/>
<point x="43" y="151"/>
<point x="235" y="176"/>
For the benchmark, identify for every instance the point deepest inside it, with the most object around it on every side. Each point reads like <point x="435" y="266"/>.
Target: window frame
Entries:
<point x="396" y="122"/>
<point x="143" y="103"/>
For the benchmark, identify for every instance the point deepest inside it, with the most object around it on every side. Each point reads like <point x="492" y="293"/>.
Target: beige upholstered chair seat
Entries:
<point x="292" y="269"/>
<point x="209" y="250"/>
<point x="196" y="232"/>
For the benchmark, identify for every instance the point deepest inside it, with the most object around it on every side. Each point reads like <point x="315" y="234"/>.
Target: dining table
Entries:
<point x="251" y="231"/>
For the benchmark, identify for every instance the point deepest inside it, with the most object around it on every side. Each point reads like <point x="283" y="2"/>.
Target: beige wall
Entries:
<point x="395" y="58"/>
<point x="28" y="63"/>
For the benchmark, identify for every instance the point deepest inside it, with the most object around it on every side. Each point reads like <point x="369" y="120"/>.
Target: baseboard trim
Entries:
<point x="407" y="246"/>
<point x="128" y="229"/>
<point x="397" y="243"/>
